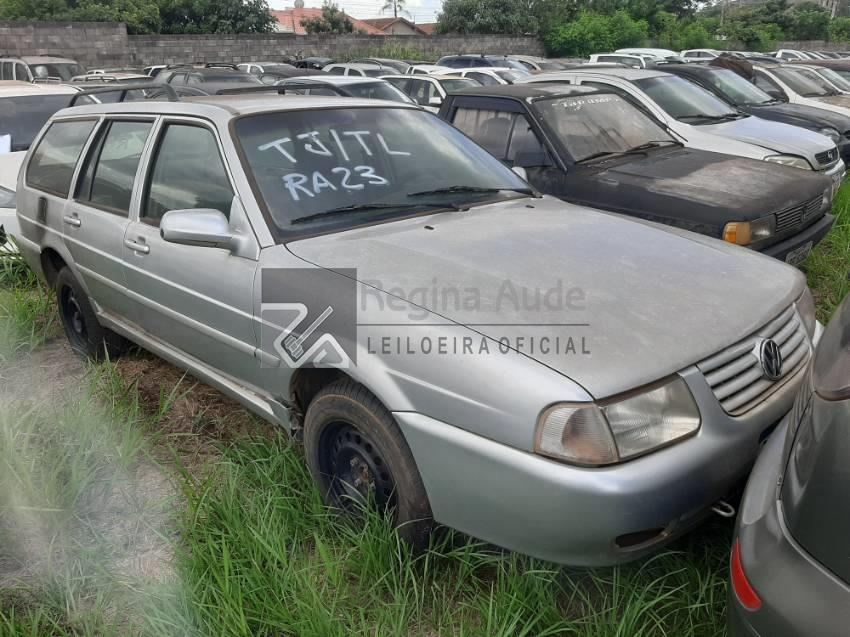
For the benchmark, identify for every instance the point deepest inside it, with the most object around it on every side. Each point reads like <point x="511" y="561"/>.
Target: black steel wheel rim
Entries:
<point x="72" y="315"/>
<point x="357" y="472"/>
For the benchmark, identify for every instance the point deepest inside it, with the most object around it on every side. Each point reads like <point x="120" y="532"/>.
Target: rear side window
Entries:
<point x="6" y="71"/>
<point x="483" y="78"/>
<point x="52" y="165"/>
<point x="490" y="128"/>
<point x="111" y="169"/>
<point x="187" y="172"/>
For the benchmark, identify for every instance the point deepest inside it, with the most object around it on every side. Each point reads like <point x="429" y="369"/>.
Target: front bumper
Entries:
<point x="579" y="516"/>
<point x="799" y="596"/>
<point x="810" y="235"/>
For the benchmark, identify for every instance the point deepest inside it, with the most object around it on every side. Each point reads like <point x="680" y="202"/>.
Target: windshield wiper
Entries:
<point x="710" y="118"/>
<point x="635" y="149"/>
<point x="474" y="189"/>
<point x="373" y="206"/>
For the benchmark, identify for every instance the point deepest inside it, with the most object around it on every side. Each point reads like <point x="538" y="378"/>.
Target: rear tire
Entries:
<point x="86" y="335"/>
<point x="357" y="454"/>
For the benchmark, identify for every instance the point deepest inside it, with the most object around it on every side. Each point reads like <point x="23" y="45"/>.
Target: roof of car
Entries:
<point x="695" y="69"/>
<point x="232" y="105"/>
<point x="526" y="91"/>
<point x="627" y="73"/>
<point x="360" y="65"/>
<point x="35" y="59"/>
<point x="14" y="88"/>
<point x="336" y="80"/>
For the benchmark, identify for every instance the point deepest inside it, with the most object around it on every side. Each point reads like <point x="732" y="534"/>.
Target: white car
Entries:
<point x="624" y="59"/>
<point x="429" y="91"/>
<point x="488" y="75"/>
<point x="655" y="53"/>
<point x="703" y="121"/>
<point x="800" y="85"/>
<point x="358" y="69"/>
<point x="426" y="69"/>
<point x="699" y="55"/>
<point x="791" y="54"/>
<point x="24" y="109"/>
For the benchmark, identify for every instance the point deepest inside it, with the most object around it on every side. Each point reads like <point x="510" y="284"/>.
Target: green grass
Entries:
<point x="254" y="550"/>
<point x="27" y="308"/>
<point x="828" y="267"/>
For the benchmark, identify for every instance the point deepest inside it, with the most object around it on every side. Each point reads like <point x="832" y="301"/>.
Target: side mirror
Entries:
<point x="268" y="80"/>
<point x="777" y="94"/>
<point x="197" y="227"/>
<point x="520" y="172"/>
<point x="435" y="101"/>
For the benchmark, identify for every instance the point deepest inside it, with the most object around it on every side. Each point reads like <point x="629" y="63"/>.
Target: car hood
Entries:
<point x="716" y="187"/>
<point x="805" y="116"/>
<point x="10" y="166"/>
<point x="782" y="138"/>
<point x="834" y="100"/>
<point x="655" y="300"/>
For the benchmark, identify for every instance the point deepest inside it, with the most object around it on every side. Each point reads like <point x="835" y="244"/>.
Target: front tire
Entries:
<point x="357" y="455"/>
<point x="86" y="335"/>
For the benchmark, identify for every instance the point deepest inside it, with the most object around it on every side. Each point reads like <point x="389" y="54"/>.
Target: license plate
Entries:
<point x="798" y="255"/>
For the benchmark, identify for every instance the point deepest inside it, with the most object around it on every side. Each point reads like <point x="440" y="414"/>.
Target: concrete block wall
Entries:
<point x="107" y="44"/>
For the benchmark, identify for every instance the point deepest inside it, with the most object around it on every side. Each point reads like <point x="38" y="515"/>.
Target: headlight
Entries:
<point x="589" y="434"/>
<point x="833" y="134"/>
<point x="744" y="233"/>
<point x="806" y="309"/>
<point x="789" y="160"/>
<point x="7" y="198"/>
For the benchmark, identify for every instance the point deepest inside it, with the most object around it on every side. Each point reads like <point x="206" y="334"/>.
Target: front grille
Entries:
<point x="793" y="218"/>
<point x="827" y="157"/>
<point x="735" y="374"/>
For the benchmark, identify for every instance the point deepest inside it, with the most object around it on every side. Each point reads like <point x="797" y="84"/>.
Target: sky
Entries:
<point x="418" y="10"/>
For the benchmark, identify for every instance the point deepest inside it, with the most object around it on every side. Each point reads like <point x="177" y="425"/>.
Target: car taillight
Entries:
<point x="743" y="591"/>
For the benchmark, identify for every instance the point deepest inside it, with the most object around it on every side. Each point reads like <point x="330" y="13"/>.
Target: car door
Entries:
<point x="97" y="215"/>
<point x="198" y="299"/>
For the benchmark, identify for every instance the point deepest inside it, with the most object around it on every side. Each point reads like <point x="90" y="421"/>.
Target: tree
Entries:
<point x="594" y="32"/>
<point x="839" y="30"/>
<point x="215" y="16"/>
<point x="486" y="16"/>
<point x="398" y="6"/>
<point x="808" y="22"/>
<point x="151" y="16"/>
<point x="332" y="20"/>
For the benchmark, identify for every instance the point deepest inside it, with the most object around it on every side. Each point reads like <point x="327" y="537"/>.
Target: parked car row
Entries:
<point x="224" y="232"/>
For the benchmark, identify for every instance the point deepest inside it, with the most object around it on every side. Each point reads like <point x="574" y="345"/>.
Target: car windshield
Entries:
<point x="278" y="68"/>
<point x="457" y="84"/>
<point x="22" y="117"/>
<point x="835" y="79"/>
<point x="685" y="101"/>
<point x="511" y="64"/>
<point x="736" y="88"/>
<point x="63" y="70"/>
<point x="377" y="91"/>
<point x="800" y="83"/>
<point x="328" y="169"/>
<point x="551" y="66"/>
<point x="377" y="72"/>
<point x="225" y="78"/>
<point x="599" y="124"/>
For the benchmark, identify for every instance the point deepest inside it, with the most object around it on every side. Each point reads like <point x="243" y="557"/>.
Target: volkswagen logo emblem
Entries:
<point x="770" y="358"/>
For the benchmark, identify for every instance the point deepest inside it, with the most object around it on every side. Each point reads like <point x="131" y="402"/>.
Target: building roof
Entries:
<point x="427" y="27"/>
<point x="385" y="23"/>
<point x="289" y="21"/>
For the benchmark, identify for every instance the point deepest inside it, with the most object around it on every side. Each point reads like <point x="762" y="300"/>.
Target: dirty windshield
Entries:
<point x="598" y="125"/>
<point x="323" y="169"/>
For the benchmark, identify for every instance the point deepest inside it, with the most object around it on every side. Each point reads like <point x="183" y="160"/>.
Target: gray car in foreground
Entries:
<point x="453" y="347"/>
<point x="790" y="567"/>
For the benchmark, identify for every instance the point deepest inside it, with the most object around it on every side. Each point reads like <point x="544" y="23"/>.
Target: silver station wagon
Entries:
<point x="453" y="347"/>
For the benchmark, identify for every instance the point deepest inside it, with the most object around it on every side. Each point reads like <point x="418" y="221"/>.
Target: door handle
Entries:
<point x="72" y="220"/>
<point x="135" y="246"/>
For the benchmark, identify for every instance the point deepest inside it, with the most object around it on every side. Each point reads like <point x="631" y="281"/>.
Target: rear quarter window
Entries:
<point x="52" y="165"/>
